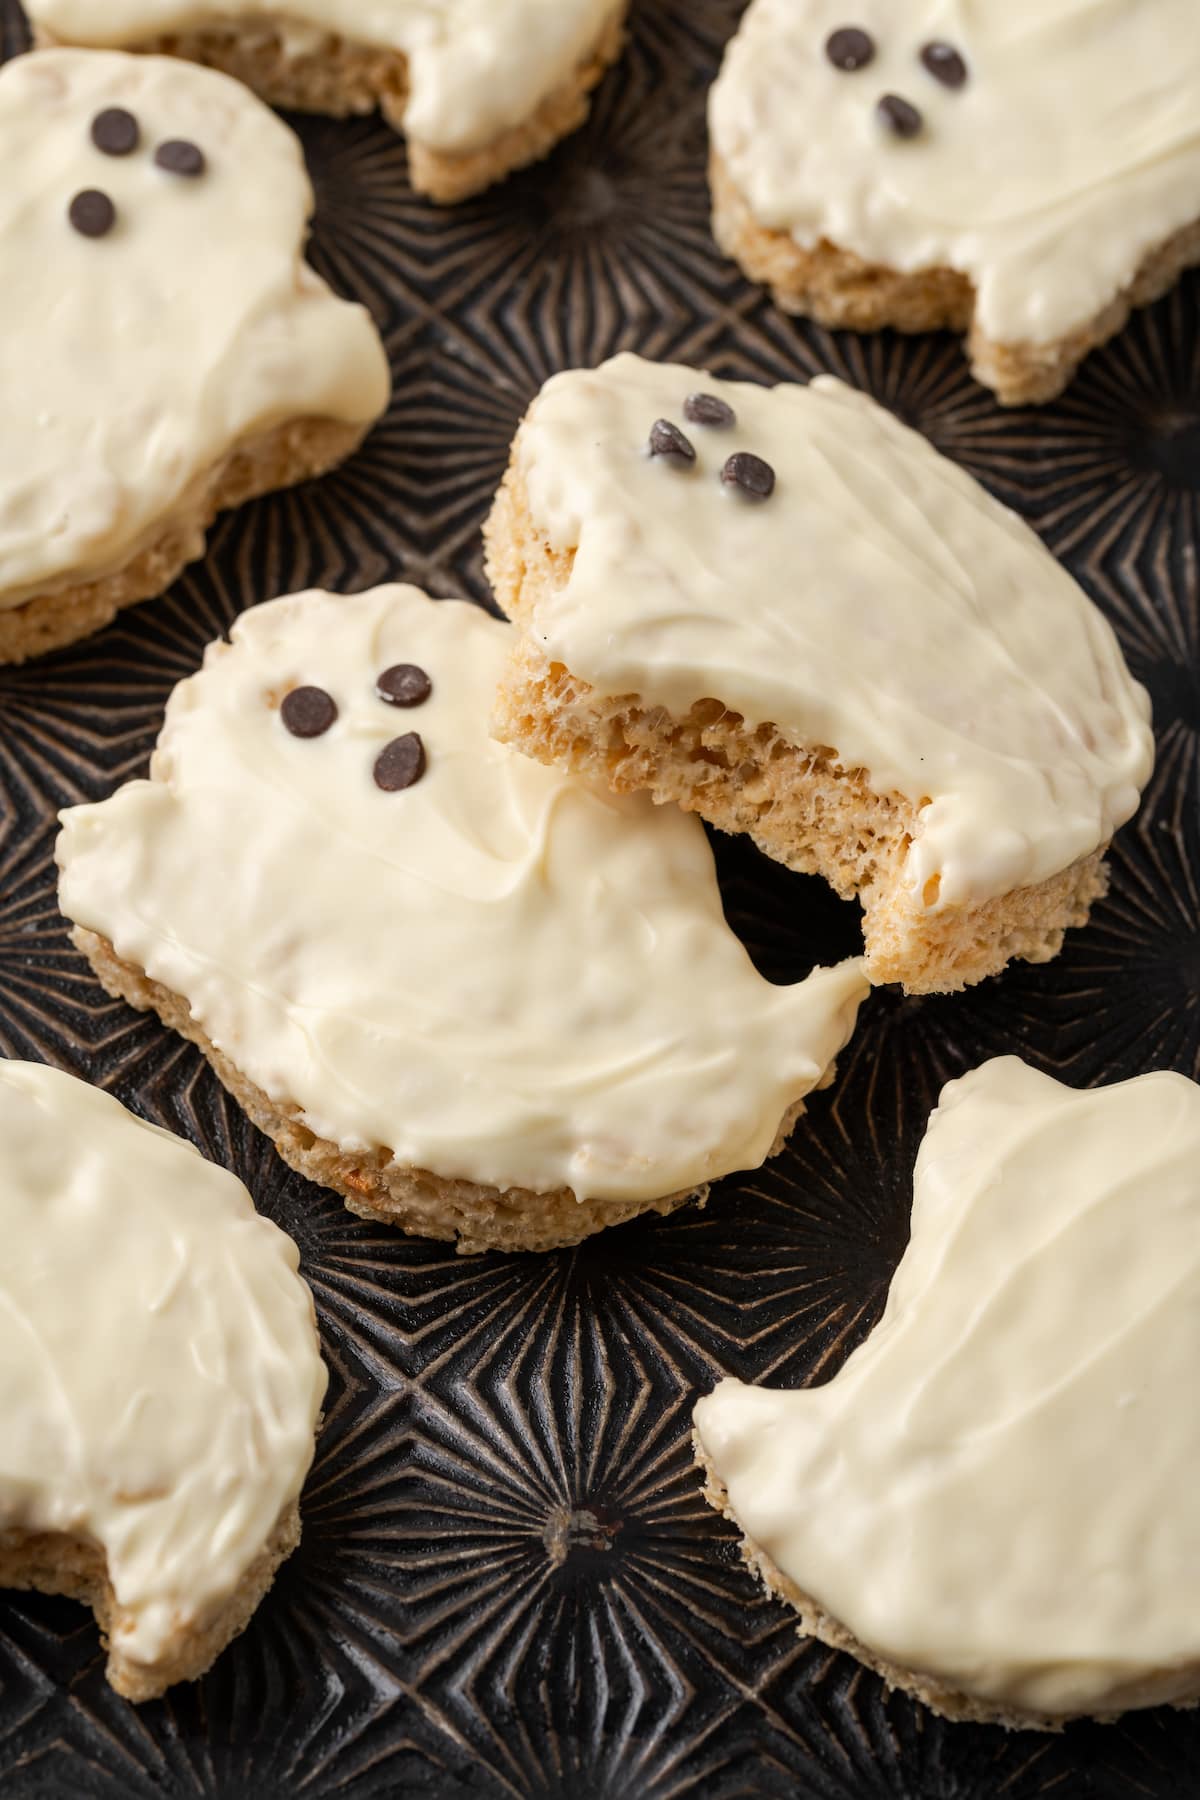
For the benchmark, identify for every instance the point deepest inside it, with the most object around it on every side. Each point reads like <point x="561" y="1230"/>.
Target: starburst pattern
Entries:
<point x="509" y="1583"/>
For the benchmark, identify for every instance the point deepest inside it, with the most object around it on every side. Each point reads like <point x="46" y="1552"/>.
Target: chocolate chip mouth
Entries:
<point x="667" y="440"/>
<point x="899" y="116"/>
<point x="400" y="764"/>
<point x="92" y="213"/>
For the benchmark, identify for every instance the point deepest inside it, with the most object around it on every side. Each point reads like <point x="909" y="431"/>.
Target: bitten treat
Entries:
<point x="1027" y="172"/>
<point x="479" y="87"/>
<point x="160" y="1380"/>
<point x="783" y="610"/>
<point x="166" y="350"/>
<point x="993" y="1503"/>
<point x="480" y="999"/>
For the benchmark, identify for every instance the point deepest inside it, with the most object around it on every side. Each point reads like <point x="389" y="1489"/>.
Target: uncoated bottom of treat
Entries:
<point x="341" y="77"/>
<point x="1182" y="1691"/>
<point x="841" y="290"/>
<point x="796" y="802"/>
<point x="279" y="458"/>
<point x="373" y="1185"/>
<point x="58" y="1563"/>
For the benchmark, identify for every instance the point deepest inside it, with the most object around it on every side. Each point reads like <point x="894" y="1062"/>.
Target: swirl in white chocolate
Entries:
<point x="440" y="948"/>
<point x="1068" y="151"/>
<point x="878" y="603"/>
<point x="149" y="329"/>
<point x="160" y="1375"/>
<point x="476" y="68"/>
<point x="998" y="1489"/>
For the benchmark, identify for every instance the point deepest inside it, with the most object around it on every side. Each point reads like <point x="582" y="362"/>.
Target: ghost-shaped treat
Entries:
<point x="160" y="1379"/>
<point x="784" y="610"/>
<point x="165" y="350"/>
<point x="480" y="998"/>
<point x="479" y="87"/>
<point x="1025" y="171"/>
<point x="993" y="1502"/>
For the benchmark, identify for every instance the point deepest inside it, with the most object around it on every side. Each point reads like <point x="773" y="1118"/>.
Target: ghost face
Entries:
<point x="1042" y="148"/>
<point x="432" y="944"/>
<point x="156" y="310"/>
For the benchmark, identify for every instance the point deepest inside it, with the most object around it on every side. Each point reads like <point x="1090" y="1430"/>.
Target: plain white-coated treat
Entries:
<point x="160" y="1373"/>
<point x="997" y="1491"/>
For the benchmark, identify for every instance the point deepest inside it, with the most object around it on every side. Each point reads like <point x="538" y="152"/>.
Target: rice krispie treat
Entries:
<point x="479" y="87"/>
<point x="165" y="351"/>
<point x="160" y="1380"/>
<point x="479" y="998"/>
<point x="993" y="1502"/>
<point x="1026" y="172"/>
<point x="782" y="609"/>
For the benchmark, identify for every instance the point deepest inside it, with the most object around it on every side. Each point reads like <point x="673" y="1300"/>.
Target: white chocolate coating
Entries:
<point x="998" y="1489"/>
<point x="131" y="364"/>
<point x="160" y="1374"/>
<point x="500" y="973"/>
<point x="475" y="67"/>
<point x="1072" y="151"/>
<point x="880" y="603"/>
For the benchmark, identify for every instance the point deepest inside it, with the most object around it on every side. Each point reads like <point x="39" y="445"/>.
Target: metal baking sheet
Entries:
<point x="509" y="1584"/>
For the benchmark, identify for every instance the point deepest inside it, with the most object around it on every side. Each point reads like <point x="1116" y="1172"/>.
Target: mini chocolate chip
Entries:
<point x="400" y="763"/>
<point x="944" y="64"/>
<point x="92" y="213"/>
<point x="850" y="48"/>
<point x="900" y="116"/>
<point x="750" y="473"/>
<point x="115" y="131"/>
<point x="706" y="409"/>
<point x="178" y="157"/>
<point x="308" y="711"/>
<point x="404" y="684"/>
<point x="667" y="440"/>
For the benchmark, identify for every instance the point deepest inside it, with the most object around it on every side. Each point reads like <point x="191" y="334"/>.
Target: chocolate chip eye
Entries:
<point x="850" y="48"/>
<point x="750" y="475"/>
<point x="178" y="157"/>
<point x="667" y="440"/>
<point x="899" y="116"/>
<point x="944" y="64"/>
<point x="308" y="712"/>
<point x="92" y="213"/>
<point x="115" y="131"/>
<point x="404" y="684"/>
<point x="400" y="763"/>
<point x="706" y="409"/>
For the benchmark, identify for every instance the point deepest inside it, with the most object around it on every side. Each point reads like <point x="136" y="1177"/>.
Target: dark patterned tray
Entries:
<point x="509" y="1584"/>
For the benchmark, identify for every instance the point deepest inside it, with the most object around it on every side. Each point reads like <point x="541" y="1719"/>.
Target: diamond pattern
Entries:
<point x="509" y="1583"/>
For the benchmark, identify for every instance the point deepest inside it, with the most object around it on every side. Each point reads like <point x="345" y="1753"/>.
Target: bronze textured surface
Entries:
<point x="509" y="1584"/>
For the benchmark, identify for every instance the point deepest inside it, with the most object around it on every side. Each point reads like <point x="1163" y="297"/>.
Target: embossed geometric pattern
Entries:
<point x="509" y="1584"/>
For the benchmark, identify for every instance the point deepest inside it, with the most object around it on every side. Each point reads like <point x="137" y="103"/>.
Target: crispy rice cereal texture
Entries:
<point x="290" y="453"/>
<point x="797" y="803"/>
<point x="343" y="77"/>
<point x="56" y="1563"/>
<point x="814" y="1622"/>
<point x="414" y="1200"/>
<point x="840" y="290"/>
